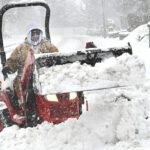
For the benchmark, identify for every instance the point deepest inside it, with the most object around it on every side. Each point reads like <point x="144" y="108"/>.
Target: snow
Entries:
<point x="118" y="119"/>
<point x="111" y="72"/>
<point x="138" y="36"/>
<point x="18" y="117"/>
<point x="139" y="40"/>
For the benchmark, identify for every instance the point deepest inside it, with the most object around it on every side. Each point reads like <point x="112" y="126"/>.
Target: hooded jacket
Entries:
<point x="17" y="59"/>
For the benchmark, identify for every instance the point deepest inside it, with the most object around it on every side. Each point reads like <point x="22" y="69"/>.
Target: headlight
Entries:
<point x="51" y="98"/>
<point x="73" y="95"/>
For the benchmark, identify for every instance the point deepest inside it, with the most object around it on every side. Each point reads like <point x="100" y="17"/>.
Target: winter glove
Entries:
<point x="6" y="70"/>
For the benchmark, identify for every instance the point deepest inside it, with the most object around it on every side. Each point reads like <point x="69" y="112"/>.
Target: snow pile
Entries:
<point x="64" y="136"/>
<point x="115" y="115"/>
<point x="125" y="113"/>
<point x="138" y="36"/>
<point x="134" y="120"/>
<point x="139" y="40"/>
<point x="118" y="119"/>
<point x="131" y="145"/>
<point x="124" y="70"/>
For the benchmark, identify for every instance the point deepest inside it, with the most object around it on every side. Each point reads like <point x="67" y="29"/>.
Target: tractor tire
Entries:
<point x="2" y="122"/>
<point x="5" y="119"/>
<point x="80" y="109"/>
<point x="81" y="102"/>
<point x="81" y="97"/>
<point x="13" y="99"/>
<point x="2" y="125"/>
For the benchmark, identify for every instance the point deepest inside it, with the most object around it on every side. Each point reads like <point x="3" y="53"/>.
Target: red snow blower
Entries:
<point x="57" y="107"/>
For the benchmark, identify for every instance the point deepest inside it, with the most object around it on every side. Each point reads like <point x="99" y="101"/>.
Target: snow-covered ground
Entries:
<point x="118" y="119"/>
<point x="75" y="77"/>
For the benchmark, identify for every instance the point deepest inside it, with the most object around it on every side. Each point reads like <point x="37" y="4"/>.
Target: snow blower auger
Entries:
<point x="90" y="57"/>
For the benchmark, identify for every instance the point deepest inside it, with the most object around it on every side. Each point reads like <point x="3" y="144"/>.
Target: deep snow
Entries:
<point x="118" y="119"/>
<point x="75" y="77"/>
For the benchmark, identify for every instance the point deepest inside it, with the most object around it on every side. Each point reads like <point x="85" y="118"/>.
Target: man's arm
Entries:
<point x="13" y="60"/>
<point x="50" y="47"/>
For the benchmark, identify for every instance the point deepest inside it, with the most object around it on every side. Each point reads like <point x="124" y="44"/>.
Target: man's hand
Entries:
<point x="6" y="70"/>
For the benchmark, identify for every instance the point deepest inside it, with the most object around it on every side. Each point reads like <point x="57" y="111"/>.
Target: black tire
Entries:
<point x="2" y="125"/>
<point x="81" y="97"/>
<point x="81" y="102"/>
<point x="80" y="109"/>
<point x="5" y="119"/>
<point x="13" y="99"/>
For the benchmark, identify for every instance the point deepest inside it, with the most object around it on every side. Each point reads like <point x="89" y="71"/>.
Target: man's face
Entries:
<point x="35" y="34"/>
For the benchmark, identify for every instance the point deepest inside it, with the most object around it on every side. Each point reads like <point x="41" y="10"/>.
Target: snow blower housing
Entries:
<point x="47" y="62"/>
<point x="52" y="107"/>
<point x="90" y="57"/>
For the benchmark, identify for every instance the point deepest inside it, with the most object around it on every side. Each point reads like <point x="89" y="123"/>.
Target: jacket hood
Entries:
<point x="33" y="26"/>
<point x="30" y="28"/>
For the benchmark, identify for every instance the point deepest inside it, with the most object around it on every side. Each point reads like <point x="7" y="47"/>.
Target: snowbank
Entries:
<point x="75" y="77"/>
<point x="138" y="36"/>
<point x="114" y="115"/>
<point x="118" y="119"/>
<point x="139" y="40"/>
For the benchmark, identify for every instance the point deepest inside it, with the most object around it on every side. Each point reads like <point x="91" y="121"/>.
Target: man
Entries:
<point x="17" y="59"/>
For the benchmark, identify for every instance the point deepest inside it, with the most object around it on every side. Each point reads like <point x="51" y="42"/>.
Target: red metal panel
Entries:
<point x="5" y="99"/>
<point x="57" y="111"/>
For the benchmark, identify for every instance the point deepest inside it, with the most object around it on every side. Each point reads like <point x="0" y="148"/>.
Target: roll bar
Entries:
<point x="14" y="5"/>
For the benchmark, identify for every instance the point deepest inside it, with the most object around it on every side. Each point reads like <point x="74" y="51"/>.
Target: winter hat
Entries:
<point x="30" y="28"/>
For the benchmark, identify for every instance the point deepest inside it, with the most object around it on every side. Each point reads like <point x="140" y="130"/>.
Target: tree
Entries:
<point x="66" y="13"/>
<point x="133" y="13"/>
